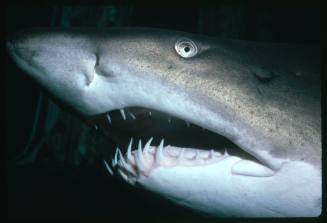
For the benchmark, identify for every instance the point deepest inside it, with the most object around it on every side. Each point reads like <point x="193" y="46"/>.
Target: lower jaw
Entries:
<point x="146" y="158"/>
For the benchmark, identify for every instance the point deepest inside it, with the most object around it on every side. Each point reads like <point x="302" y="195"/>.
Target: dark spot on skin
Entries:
<point x="289" y="142"/>
<point x="251" y="112"/>
<point x="302" y="144"/>
<point x="170" y="67"/>
<point x="239" y="106"/>
<point x="270" y="130"/>
<point x="265" y="77"/>
<point x="97" y="59"/>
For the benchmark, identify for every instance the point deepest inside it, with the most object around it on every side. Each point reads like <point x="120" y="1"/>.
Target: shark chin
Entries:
<point x="224" y="127"/>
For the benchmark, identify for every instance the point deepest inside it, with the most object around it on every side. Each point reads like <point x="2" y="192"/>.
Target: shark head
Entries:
<point x="263" y="98"/>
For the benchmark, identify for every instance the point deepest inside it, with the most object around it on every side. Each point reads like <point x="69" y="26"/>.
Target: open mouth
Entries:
<point x="146" y="139"/>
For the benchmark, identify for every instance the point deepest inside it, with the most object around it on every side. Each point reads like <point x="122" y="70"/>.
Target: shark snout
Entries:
<point x="11" y="42"/>
<point x="19" y="47"/>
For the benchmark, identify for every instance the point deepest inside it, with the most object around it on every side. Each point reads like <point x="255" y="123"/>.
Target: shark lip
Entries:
<point x="143" y="125"/>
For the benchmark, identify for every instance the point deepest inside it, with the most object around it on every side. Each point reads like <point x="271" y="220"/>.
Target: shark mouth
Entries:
<point x="168" y="141"/>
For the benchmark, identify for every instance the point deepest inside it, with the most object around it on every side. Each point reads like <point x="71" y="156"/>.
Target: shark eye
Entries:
<point x="186" y="48"/>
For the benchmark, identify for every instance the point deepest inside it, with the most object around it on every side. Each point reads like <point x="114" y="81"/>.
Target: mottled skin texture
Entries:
<point x="223" y="77"/>
<point x="263" y="97"/>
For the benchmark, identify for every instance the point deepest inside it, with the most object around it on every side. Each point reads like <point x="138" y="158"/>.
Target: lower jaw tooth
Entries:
<point x="181" y="155"/>
<point x="108" y="168"/>
<point x="123" y="175"/>
<point x="129" y="151"/>
<point x="159" y="154"/>
<point x="139" y="159"/>
<point x="197" y="155"/>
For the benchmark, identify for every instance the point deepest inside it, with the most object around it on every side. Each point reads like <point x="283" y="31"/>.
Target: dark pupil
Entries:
<point x="187" y="49"/>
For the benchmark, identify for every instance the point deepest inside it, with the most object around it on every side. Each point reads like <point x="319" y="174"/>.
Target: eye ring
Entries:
<point x="186" y="48"/>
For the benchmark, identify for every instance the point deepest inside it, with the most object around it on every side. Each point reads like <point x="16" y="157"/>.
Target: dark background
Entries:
<point x="54" y="161"/>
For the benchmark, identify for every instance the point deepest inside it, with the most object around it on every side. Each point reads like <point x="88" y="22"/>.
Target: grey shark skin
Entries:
<point x="265" y="98"/>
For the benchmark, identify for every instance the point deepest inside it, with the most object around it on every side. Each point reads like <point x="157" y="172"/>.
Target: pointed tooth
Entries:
<point x="123" y="175"/>
<point x="129" y="151"/>
<point x="96" y="127"/>
<point x="121" y="157"/>
<point x="225" y="152"/>
<point x="122" y="160"/>
<point x="147" y="145"/>
<point x="187" y="124"/>
<point x="122" y="112"/>
<point x="125" y="164"/>
<point x="132" y="115"/>
<point x="116" y="156"/>
<point x="159" y="155"/>
<point x="169" y="119"/>
<point x="113" y="163"/>
<point x="150" y="113"/>
<point x="140" y="145"/>
<point x="139" y="159"/>
<point x="108" y="168"/>
<point x="108" y="118"/>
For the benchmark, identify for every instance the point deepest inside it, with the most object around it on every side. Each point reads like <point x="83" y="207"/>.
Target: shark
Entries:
<point x="263" y="98"/>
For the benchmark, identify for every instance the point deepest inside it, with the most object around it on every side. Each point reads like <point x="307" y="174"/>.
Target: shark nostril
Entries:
<point x="89" y="78"/>
<point x="97" y="59"/>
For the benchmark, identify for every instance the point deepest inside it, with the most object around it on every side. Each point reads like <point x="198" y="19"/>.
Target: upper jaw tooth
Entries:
<point x="108" y="118"/>
<point x="131" y="114"/>
<point x="122" y="112"/>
